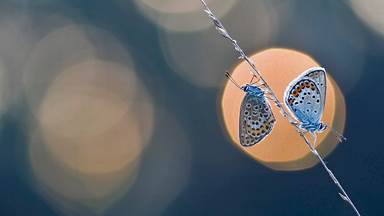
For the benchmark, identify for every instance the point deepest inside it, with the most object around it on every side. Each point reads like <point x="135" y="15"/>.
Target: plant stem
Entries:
<point x="222" y="31"/>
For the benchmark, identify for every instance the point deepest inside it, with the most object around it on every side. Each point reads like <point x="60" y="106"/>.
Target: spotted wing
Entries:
<point x="318" y="75"/>
<point x="256" y="120"/>
<point x="304" y="99"/>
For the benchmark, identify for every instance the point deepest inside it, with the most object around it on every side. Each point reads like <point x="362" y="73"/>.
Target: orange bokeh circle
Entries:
<point x="283" y="149"/>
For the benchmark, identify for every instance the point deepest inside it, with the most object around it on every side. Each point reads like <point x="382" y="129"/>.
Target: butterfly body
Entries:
<point x="256" y="118"/>
<point x="305" y="98"/>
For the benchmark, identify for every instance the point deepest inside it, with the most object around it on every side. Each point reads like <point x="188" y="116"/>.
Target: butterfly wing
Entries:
<point x="305" y="99"/>
<point x="318" y="75"/>
<point x="256" y="120"/>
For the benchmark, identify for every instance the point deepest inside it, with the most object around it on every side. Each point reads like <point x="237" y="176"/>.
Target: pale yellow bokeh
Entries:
<point x="59" y="49"/>
<point x="87" y="117"/>
<point x="283" y="149"/>
<point x="180" y="15"/>
<point x="62" y="48"/>
<point x="371" y="12"/>
<point x="93" y="123"/>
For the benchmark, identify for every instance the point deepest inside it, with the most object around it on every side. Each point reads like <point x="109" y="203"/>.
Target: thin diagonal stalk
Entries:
<point x="343" y="194"/>
<point x="265" y="87"/>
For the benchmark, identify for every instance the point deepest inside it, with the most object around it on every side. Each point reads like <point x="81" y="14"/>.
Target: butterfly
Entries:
<point x="305" y="97"/>
<point x="256" y="118"/>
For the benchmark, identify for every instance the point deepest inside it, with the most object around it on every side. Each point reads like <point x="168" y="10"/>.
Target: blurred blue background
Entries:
<point x="111" y="107"/>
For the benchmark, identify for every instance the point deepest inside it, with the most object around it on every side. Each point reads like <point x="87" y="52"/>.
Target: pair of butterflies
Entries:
<point x="304" y="96"/>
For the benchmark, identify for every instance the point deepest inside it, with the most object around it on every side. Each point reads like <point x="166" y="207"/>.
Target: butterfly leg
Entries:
<point x="254" y="82"/>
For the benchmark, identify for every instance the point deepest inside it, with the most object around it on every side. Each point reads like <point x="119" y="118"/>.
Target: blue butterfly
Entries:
<point x="305" y="97"/>
<point x="256" y="118"/>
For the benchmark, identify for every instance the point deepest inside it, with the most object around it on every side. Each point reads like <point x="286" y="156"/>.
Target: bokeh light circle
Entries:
<point x="87" y="110"/>
<point x="60" y="48"/>
<point x="64" y="47"/>
<point x="181" y="15"/>
<point x="371" y="12"/>
<point x="283" y="149"/>
<point x="91" y="118"/>
<point x="88" y="138"/>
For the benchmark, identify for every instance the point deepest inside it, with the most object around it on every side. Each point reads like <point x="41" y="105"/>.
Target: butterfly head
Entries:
<point x="252" y="89"/>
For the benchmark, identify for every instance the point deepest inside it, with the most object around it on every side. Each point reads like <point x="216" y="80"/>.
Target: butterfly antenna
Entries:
<point x="339" y="136"/>
<point x="251" y="79"/>
<point x="232" y="80"/>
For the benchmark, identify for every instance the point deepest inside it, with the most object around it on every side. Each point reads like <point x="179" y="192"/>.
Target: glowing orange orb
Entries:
<point x="283" y="149"/>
